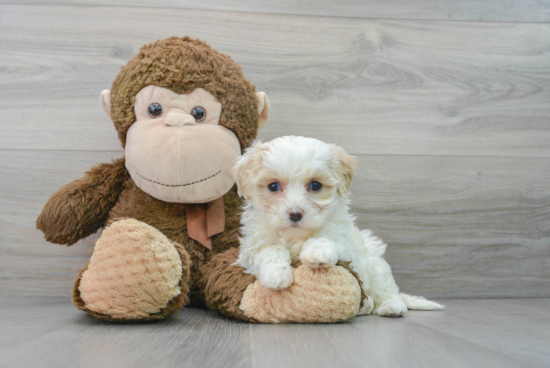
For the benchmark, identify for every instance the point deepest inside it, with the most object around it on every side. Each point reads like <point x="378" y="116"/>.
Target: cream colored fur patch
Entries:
<point x="327" y="294"/>
<point x="134" y="271"/>
<point x="175" y="158"/>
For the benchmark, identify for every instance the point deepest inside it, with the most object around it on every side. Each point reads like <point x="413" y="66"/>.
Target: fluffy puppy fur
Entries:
<point x="297" y="208"/>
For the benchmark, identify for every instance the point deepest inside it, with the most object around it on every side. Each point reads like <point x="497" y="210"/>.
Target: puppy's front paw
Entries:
<point x="392" y="308"/>
<point x="319" y="254"/>
<point x="276" y="276"/>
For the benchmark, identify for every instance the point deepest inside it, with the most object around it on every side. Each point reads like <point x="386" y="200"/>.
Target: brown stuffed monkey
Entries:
<point x="170" y="210"/>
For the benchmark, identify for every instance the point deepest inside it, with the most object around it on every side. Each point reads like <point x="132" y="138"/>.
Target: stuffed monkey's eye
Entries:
<point x="199" y="113"/>
<point x="315" y="186"/>
<point x="155" y="110"/>
<point x="274" y="187"/>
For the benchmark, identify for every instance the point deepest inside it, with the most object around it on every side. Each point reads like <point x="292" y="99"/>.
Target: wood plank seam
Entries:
<point x="274" y="14"/>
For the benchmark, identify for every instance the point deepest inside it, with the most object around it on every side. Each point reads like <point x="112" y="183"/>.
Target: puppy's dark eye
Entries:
<point x="199" y="113"/>
<point x="274" y="187"/>
<point x="155" y="110"/>
<point x="315" y="186"/>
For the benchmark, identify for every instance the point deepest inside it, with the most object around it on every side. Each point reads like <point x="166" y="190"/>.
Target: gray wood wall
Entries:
<point x="445" y="103"/>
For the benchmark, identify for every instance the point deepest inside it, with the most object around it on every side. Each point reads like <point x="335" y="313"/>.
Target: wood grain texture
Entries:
<point x="60" y="336"/>
<point x="28" y="264"/>
<point x="461" y="10"/>
<point x="373" y="87"/>
<point x="450" y="122"/>
<point x="469" y="333"/>
<point x="457" y="226"/>
<point x="510" y="319"/>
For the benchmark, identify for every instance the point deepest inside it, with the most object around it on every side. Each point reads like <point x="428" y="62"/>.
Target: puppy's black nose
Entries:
<point x="295" y="216"/>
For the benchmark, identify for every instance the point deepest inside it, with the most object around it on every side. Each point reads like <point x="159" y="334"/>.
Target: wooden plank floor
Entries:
<point x="50" y="332"/>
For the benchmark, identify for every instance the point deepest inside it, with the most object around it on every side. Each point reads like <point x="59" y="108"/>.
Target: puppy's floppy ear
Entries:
<point x="345" y="167"/>
<point x="245" y="167"/>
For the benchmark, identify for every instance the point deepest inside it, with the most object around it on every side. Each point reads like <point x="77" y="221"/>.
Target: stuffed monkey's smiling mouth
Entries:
<point x="179" y="185"/>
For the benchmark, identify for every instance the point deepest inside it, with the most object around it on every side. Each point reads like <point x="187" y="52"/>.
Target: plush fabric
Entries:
<point x="182" y="65"/>
<point x="317" y="295"/>
<point x="163" y="154"/>
<point x="82" y="206"/>
<point x="171" y="307"/>
<point x="134" y="272"/>
<point x="222" y="285"/>
<point x="171" y="220"/>
<point x="205" y="220"/>
<point x="173" y="102"/>
<point x="145" y="265"/>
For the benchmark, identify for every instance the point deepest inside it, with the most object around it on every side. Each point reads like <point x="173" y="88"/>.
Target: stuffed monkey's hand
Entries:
<point x="80" y="208"/>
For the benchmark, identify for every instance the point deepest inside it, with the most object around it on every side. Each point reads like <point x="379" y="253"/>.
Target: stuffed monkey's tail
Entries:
<point x="419" y="302"/>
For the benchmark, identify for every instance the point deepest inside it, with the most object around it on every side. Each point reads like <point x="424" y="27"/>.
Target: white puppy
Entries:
<point x="296" y="208"/>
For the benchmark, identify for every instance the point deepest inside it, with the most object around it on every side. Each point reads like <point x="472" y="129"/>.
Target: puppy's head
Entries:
<point x="295" y="181"/>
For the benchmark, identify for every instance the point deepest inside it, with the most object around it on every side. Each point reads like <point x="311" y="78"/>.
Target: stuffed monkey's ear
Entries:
<point x="246" y="167"/>
<point x="345" y="166"/>
<point x="263" y="109"/>
<point x="105" y="99"/>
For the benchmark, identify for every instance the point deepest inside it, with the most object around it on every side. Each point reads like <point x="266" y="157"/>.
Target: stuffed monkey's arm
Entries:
<point x="81" y="207"/>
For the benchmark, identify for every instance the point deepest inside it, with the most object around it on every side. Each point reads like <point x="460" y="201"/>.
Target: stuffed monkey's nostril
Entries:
<point x="295" y="216"/>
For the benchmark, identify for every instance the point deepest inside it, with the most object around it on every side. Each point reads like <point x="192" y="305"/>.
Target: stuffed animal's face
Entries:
<point x="184" y="113"/>
<point x="176" y="150"/>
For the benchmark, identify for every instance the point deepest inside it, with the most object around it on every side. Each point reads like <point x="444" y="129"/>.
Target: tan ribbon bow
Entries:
<point x="205" y="220"/>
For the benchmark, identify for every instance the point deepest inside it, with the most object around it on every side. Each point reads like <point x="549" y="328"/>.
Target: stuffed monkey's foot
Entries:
<point x="327" y="294"/>
<point x="135" y="273"/>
